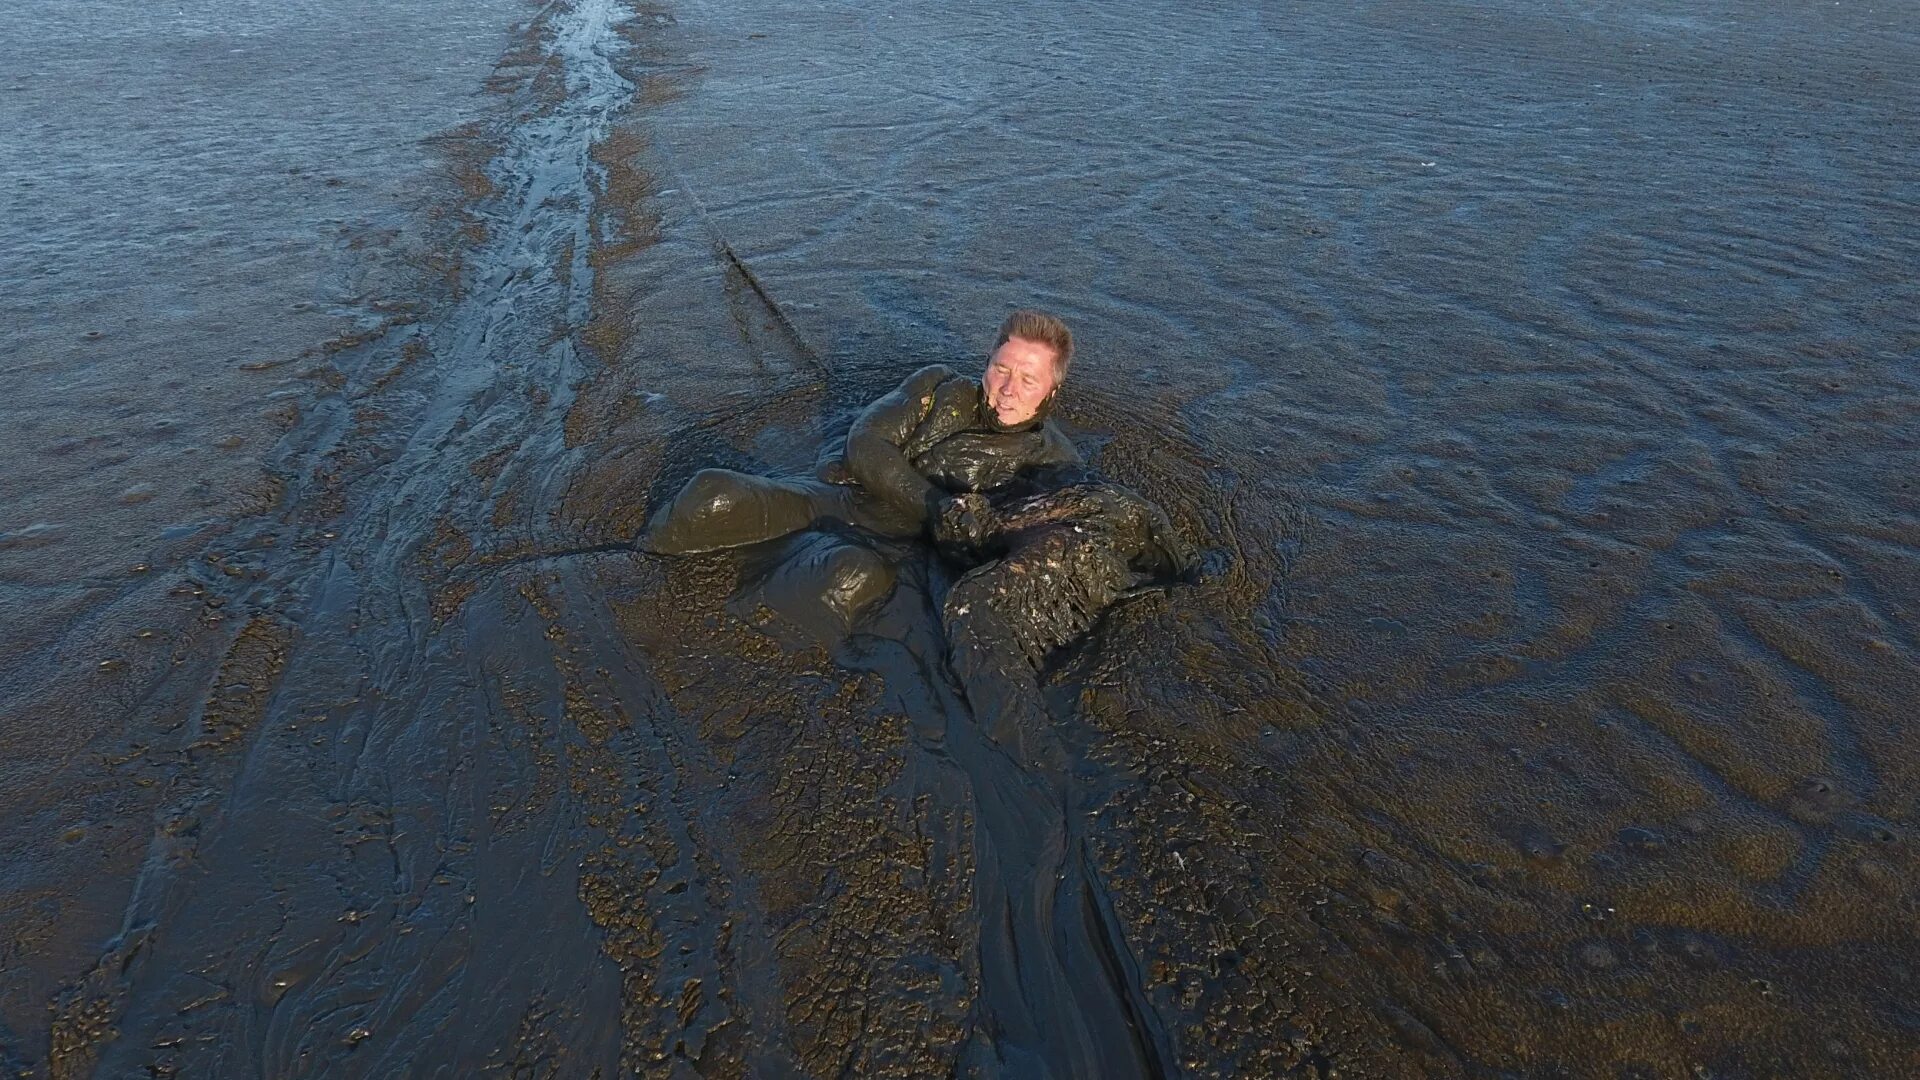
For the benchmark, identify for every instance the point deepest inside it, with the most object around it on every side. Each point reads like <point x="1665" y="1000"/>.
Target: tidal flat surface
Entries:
<point x="1538" y="379"/>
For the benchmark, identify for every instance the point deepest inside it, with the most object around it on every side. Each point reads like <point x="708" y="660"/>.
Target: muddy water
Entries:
<point x="1536" y="382"/>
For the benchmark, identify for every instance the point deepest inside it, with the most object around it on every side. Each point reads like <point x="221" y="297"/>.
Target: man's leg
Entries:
<point x="830" y="576"/>
<point x="720" y="508"/>
<point x="821" y="583"/>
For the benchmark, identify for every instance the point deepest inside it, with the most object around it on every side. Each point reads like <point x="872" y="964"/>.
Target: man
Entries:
<point x="936" y="436"/>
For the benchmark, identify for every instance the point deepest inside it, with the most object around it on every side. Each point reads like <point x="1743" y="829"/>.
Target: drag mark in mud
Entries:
<point x="348" y="852"/>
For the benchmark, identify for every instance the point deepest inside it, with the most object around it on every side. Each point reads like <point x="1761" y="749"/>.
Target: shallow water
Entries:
<point x="1538" y="382"/>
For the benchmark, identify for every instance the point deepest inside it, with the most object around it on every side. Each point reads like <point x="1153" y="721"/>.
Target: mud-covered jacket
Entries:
<point x="934" y="436"/>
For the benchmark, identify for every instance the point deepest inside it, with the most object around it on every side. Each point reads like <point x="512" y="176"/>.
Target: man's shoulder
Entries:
<point x="930" y="377"/>
<point x="942" y="391"/>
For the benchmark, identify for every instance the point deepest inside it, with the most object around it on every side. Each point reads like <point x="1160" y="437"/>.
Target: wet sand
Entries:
<point x="1538" y="384"/>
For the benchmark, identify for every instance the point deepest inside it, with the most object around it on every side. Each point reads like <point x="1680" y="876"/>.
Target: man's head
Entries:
<point x="1029" y="362"/>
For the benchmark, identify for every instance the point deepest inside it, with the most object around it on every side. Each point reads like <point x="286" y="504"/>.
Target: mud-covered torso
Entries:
<point x="982" y="460"/>
<point x="955" y="449"/>
<point x="954" y="444"/>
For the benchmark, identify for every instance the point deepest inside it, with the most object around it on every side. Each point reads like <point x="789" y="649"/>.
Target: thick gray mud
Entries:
<point x="1536" y="385"/>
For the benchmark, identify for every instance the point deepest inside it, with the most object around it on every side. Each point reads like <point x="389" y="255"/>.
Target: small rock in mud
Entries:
<point x="1815" y="801"/>
<point x="1871" y="830"/>
<point x="138" y="493"/>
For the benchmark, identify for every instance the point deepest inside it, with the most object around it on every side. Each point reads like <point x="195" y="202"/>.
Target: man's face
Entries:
<point x="1020" y="375"/>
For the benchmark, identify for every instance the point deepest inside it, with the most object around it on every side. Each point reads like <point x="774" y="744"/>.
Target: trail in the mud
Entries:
<point x="199" y="205"/>
<point x="331" y="890"/>
<point x="1059" y="995"/>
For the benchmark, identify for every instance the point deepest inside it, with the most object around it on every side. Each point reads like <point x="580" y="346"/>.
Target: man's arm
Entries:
<point x="875" y="455"/>
<point x="1055" y="463"/>
<point x="1056" y="448"/>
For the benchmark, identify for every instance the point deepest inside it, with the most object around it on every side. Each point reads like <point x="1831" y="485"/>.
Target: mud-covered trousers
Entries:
<point x="721" y="508"/>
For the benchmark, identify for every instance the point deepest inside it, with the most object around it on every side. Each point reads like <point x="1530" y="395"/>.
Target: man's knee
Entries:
<point x="679" y="525"/>
<point x="710" y="492"/>
<point x="857" y="578"/>
<point x="720" y="508"/>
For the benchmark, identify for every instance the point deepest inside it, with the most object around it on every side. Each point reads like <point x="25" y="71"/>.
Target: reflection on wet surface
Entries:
<point x="1535" y="385"/>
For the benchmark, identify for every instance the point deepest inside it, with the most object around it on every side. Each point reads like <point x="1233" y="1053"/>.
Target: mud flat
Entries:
<point x="1537" y="383"/>
<point x="202" y="207"/>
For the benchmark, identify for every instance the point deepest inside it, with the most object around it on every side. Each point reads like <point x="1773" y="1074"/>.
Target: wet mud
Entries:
<point x="1529" y="390"/>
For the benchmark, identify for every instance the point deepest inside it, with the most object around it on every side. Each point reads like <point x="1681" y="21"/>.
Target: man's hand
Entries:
<point x="962" y="523"/>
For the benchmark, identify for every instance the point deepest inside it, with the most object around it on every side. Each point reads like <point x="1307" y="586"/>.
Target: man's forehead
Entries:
<point x="1019" y="349"/>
